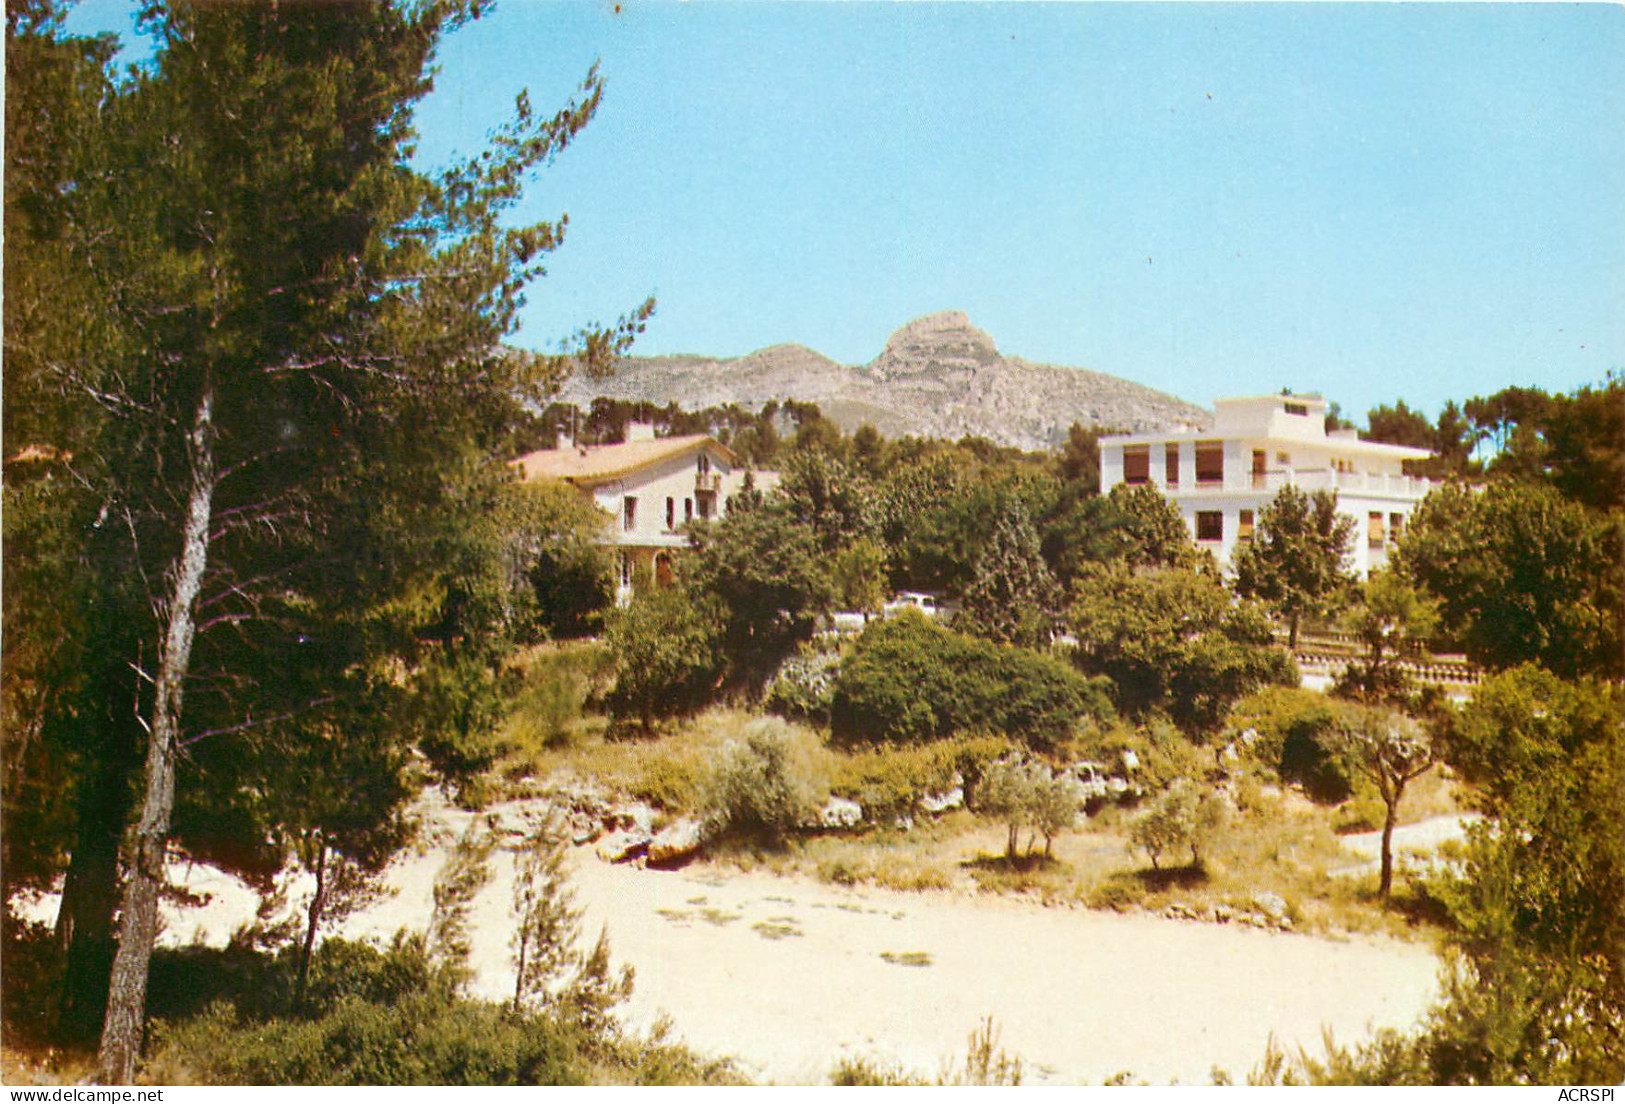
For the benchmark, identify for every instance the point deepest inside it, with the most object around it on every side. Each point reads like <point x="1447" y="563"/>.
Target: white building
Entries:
<point x="1220" y="478"/>
<point x="650" y="486"/>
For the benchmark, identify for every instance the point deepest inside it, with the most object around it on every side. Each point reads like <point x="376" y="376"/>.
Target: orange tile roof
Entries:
<point x="598" y="463"/>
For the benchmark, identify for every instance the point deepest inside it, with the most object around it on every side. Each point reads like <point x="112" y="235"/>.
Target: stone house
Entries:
<point x="651" y="486"/>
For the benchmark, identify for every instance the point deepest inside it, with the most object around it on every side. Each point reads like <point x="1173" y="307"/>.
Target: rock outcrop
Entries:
<point x="937" y="376"/>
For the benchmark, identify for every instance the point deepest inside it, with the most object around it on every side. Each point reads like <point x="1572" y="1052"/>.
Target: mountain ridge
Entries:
<point x="937" y="375"/>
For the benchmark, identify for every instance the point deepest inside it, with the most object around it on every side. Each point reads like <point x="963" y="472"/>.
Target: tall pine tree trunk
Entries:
<point x="313" y="919"/>
<point x="138" y="922"/>
<point x="84" y="922"/>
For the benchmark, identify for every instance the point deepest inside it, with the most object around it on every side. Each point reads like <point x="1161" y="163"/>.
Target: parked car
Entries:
<point x="932" y="605"/>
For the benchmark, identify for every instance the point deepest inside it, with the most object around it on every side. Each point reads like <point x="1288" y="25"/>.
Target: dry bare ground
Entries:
<point x="789" y="975"/>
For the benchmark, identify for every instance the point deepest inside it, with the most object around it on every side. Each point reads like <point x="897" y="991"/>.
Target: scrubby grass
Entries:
<point x="1272" y="840"/>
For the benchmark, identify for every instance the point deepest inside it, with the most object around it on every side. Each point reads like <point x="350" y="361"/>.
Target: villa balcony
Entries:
<point x="708" y="482"/>
<point x="1403" y="487"/>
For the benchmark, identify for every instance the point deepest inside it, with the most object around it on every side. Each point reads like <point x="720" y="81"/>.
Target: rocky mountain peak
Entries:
<point x="945" y="341"/>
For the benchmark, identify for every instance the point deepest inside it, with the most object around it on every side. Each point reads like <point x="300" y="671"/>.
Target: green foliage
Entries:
<point x="550" y="970"/>
<point x="1181" y="817"/>
<point x="1171" y="639"/>
<point x="1534" y="993"/>
<point x="459" y="881"/>
<point x="666" y="651"/>
<point x="858" y="574"/>
<point x="1312" y="757"/>
<point x="456" y="710"/>
<point x="1393" y="620"/>
<point x="819" y="491"/>
<point x="763" y="784"/>
<point x="1132" y="527"/>
<point x="553" y="687"/>
<point x="558" y="554"/>
<point x="854" y="1072"/>
<point x="1391" y="750"/>
<point x="1028" y="794"/>
<point x="419" y="1039"/>
<point x="1297" y="558"/>
<point x="909" y="680"/>
<point x="1523" y="575"/>
<point x="1144" y="529"/>
<point x="1527" y="723"/>
<point x="769" y="574"/>
<point x="889" y="781"/>
<point x="804" y="689"/>
<point x="1012" y="597"/>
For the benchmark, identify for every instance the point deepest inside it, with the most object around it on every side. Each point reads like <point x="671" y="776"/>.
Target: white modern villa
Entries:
<point x="650" y="486"/>
<point x="1220" y="478"/>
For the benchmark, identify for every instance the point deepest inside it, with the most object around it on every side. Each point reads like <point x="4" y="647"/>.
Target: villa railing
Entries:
<point x="1324" y="479"/>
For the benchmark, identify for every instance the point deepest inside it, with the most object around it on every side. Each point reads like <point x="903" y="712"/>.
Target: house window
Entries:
<point x="1396" y="522"/>
<point x="688" y="509"/>
<point x="704" y="500"/>
<point x="1376" y="536"/>
<point x="1297" y="409"/>
<point x="1136" y="463"/>
<point x="671" y="513"/>
<point x="1244" y="525"/>
<point x="703" y="464"/>
<point x="626" y="569"/>
<point x="1172" y="453"/>
<point x="1210" y="461"/>
<point x="629" y="513"/>
<point x="1210" y="525"/>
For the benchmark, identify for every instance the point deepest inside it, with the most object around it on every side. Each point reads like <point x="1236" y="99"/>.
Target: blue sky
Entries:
<point x="1373" y="201"/>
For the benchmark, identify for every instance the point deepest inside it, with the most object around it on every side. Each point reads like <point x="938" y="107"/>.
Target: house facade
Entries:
<point x="1220" y="479"/>
<point x="651" y="486"/>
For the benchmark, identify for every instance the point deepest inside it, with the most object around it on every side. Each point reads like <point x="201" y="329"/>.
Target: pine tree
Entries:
<point x="295" y="411"/>
<point x="1013" y="598"/>
<point x="1297" y="558"/>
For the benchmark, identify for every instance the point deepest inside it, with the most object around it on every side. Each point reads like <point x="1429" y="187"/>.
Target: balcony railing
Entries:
<point x="708" y="481"/>
<point x="1318" y="479"/>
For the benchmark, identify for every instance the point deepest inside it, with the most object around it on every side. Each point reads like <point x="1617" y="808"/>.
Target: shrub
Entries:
<point x="666" y="656"/>
<point x="1182" y="817"/>
<point x="1029" y="795"/>
<point x="764" y="784"/>
<point x="804" y="688"/>
<point x="421" y="1039"/>
<point x="555" y="684"/>
<point x="888" y="781"/>
<point x="1295" y="740"/>
<point x="908" y="680"/>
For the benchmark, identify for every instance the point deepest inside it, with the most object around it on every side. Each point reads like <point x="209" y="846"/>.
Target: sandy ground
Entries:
<point x="789" y="976"/>
<point x="1414" y="844"/>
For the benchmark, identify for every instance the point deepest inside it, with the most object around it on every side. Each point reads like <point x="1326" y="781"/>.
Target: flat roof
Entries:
<point x="1331" y="444"/>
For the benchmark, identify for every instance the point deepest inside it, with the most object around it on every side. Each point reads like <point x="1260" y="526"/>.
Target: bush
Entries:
<point x="419" y="1040"/>
<point x="555" y="685"/>
<point x="666" y="653"/>
<point x="373" y="1017"/>
<point x="888" y="782"/>
<point x="1295" y="740"/>
<point x="804" y="688"/>
<point x="1029" y="795"/>
<point x="764" y="783"/>
<point x="908" y="680"/>
<point x="1182" y="817"/>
